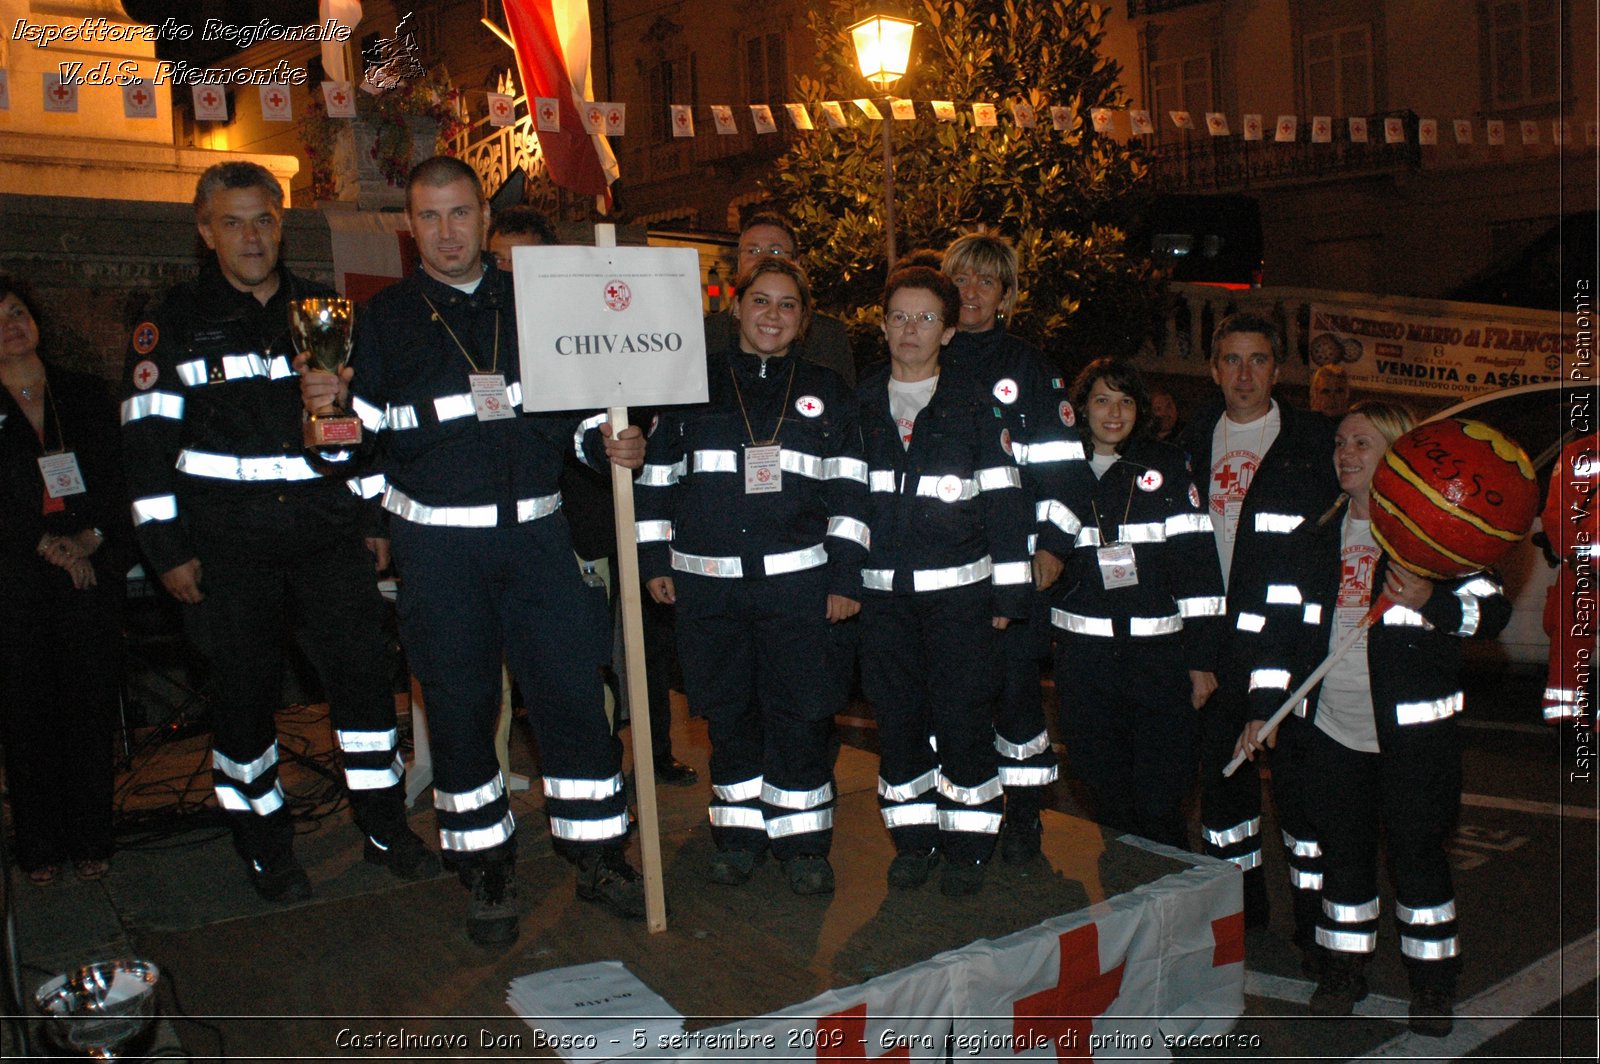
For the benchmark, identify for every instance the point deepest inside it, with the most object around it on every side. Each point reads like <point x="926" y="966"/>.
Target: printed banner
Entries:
<point x="138" y="100"/>
<point x="502" y="109"/>
<point x="761" y="118"/>
<point x="546" y="114"/>
<point x="340" y="98"/>
<point x="275" y="103"/>
<point x="903" y="110"/>
<point x="60" y="96"/>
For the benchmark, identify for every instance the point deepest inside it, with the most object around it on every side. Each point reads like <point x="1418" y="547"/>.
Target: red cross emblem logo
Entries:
<point x="1006" y="390"/>
<point x="1150" y="480"/>
<point x="275" y="100"/>
<point x="1284" y="128"/>
<point x="1253" y="126"/>
<point x="548" y="113"/>
<point x="614" y="117"/>
<point x="809" y="406"/>
<point x="210" y="99"/>
<point x="61" y="92"/>
<point x="499" y="107"/>
<point x="1322" y="129"/>
<point x="144" y="375"/>
<point x="595" y="117"/>
<point x="145" y="336"/>
<point x="139" y="97"/>
<point x="683" y="118"/>
<point x="1063" y="1014"/>
<point x="618" y="295"/>
<point x="338" y="98"/>
<point x="843" y="1036"/>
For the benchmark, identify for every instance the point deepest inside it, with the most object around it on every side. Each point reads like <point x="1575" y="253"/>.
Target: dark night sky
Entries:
<point x="196" y="12"/>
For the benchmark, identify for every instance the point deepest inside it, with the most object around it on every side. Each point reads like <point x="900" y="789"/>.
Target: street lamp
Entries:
<point x="883" y="52"/>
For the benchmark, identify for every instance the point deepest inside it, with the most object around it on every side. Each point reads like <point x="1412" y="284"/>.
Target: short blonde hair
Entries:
<point x="1390" y="419"/>
<point x="985" y="253"/>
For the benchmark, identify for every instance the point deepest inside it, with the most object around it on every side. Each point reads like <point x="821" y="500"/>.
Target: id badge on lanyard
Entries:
<point x="489" y="396"/>
<point x="762" y="472"/>
<point x="1118" y="568"/>
<point x="62" y="477"/>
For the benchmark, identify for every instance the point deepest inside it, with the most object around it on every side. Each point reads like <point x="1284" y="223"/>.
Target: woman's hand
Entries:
<point x="1201" y="686"/>
<point x="1250" y="741"/>
<point x="1405" y="588"/>
<point x="841" y="608"/>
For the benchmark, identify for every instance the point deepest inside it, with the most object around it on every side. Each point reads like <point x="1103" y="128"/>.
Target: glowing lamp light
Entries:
<point x="883" y="48"/>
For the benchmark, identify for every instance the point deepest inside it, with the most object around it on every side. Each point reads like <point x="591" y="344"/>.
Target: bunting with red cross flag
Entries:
<point x="138" y="99"/>
<point x="275" y="103"/>
<point x="210" y="103"/>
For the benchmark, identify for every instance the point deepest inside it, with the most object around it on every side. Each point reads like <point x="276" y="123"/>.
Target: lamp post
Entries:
<point x="883" y="52"/>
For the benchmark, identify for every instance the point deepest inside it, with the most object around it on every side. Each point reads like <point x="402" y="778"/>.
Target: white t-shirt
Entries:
<point x="1236" y="453"/>
<point x="907" y="399"/>
<point x="470" y="286"/>
<point x="1102" y="462"/>
<point x="1344" y="706"/>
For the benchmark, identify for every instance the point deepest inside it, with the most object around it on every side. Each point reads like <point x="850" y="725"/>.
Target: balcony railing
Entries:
<point x="497" y="152"/>
<point x="1213" y="164"/>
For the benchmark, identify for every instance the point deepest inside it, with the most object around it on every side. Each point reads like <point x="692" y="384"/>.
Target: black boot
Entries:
<point x="606" y="878"/>
<point x="1343" y="983"/>
<point x="1433" y="1010"/>
<point x="403" y="854"/>
<point x="279" y="878"/>
<point x="492" y="913"/>
<point x="1021" y="831"/>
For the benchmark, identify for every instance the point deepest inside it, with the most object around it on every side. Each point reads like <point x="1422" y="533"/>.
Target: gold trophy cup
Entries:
<point x="321" y="331"/>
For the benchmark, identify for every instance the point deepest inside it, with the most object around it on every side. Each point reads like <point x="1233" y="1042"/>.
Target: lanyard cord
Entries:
<point x="462" y="347"/>
<point x="778" y="428"/>
<point x="1127" y="509"/>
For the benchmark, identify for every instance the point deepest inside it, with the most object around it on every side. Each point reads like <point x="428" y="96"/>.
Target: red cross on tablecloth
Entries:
<point x="1065" y="1013"/>
<point x="843" y="1036"/>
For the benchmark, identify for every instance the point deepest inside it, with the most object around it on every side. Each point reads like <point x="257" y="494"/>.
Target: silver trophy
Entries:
<point x="104" y="1010"/>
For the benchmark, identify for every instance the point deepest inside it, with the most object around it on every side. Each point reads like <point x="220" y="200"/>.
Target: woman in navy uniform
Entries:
<point x="948" y="568"/>
<point x="750" y="523"/>
<point x="1140" y="588"/>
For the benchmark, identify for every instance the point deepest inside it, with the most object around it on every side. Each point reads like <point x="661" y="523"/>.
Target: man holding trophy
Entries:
<point x="252" y="538"/>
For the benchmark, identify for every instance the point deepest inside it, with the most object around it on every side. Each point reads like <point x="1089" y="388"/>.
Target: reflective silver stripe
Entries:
<point x="1350" y="914"/>
<point x="375" y="779"/>
<point x="372" y="418"/>
<point x="1471" y="596"/>
<point x="1430" y="915"/>
<point x="881" y="480"/>
<point x="970" y="820"/>
<point x="843" y="468"/>
<point x="653" y="531"/>
<point x="1019" y="452"/>
<point x="1470" y="615"/>
<point x="1283" y="595"/>
<point x="795" y="561"/>
<point x="1148" y="626"/>
<point x="1078" y="624"/>
<point x="1058" y="514"/>
<point x="234" y="467"/>
<point x="851" y="529"/>
<point x="737" y="816"/>
<point x="155" y="508"/>
<point x="611" y="827"/>
<point x="1251" y="622"/>
<point x="581" y="790"/>
<point x="929" y="488"/>
<point x="402" y="505"/>
<point x="234" y="801"/>
<point x="1007" y="574"/>
<point x="1247" y="861"/>
<point x="400" y="417"/>
<point x="593" y="421"/>
<point x="1033" y="543"/>
<point x="1087" y="537"/>
<point x="983" y="792"/>
<point x="905" y="792"/>
<point x="801" y="464"/>
<point x="236" y="367"/>
<point x="707" y="566"/>
<point x="245" y="773"/>
<point x="1301" y="847"/>
<point x="1280" y="523"/>
<point x="1347" y="941"/>
<point x="1313" y="613"/>
<point x="1202" y="606"/>
<point x="1429" y="949"/>
<point x="779" y="827"/>
<point x="1050" y="451"/>
<point x="452" y="407"/>
<point x="1559" y="708"/>
<point x="877" y="579"/>
<point x="152" y="404"/>
<point x="997" y="478"/>
<point x="954" y="576"/>
<point x="482" y="838"/>
<point x="1423" y="712"/>
<point x="1400" y="616"/>
<point x="533" y="509"/>
<point x="714" y="461"/>
<point x="1305" y="880"/>
<point x="660" y="476"/>
<point x="1277" y="679"/>
<point x="1027" y="775"/>
<point x="1237" y="833"/>
<point x="1022" y="751"/>
<point x="192" y="373"/>
<point x="1144" y="532"/>
<point x="467" y="801"/>
<point x="796" y="799"/>
<point x="368" y="742"/>
<point x="903" y="816"/>
<point x="1183" y="524"/>
<point x="369" y="487"/>
<point x="745" y="791"/>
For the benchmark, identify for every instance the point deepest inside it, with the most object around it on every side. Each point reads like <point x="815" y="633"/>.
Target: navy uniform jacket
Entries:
<point x="961" y="442"/>
<point x="211" y="418"/>
<point x="691" y="492"/>
<point x="826" y="342"/>
<point x="1149" y="501"/>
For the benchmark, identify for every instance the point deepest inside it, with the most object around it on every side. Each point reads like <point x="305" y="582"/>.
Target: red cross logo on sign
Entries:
<point x="139" y="97"/>
<point x="683" y="118"/>
<point x="275" y="100"/>
<point x="499" y="107"/>
<point x="145" y="374"/>
<point x="1006" y="390"/>
<point x="61" y="92"/>
<point x="618" y="296"/>
<point x="614" y="117"/>
<point x="548" y="113"/>
<point x="338" y="98"/>
<point x="809" y="405"/>
<point x="210" y="99"/>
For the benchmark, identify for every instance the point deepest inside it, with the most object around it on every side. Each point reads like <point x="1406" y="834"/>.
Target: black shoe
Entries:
<point x="281" y="879"/>
<point x="404" y="855"/>
<point x="809" y="873"/>
<point x="1019" y="838"/>
<point x="961" y="879"/>
<point x="733" y="868"/>
<point x="675" y="773"/>
<point x="1313" y="962"/>
<point x="492" y="913"/>
<point x="911" y="869"/>
<point x="1433" y="1012"/>
<point x="606" y="878"/>
<point x="1341" y="986"/>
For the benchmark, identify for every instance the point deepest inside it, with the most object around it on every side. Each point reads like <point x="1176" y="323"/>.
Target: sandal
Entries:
<point x="92" y="868"/>
<point x="44" y="875"/>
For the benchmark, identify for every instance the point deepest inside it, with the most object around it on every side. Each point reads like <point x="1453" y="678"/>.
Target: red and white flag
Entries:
<point x="60" y="96"/>
<point x="1061" y="119"/>
<point x="1463" y="130"/>
<point x="1252" y="127"/>
<point x="1394" y="131"/>
<point x="1287" y="130"/>
<point x="546" y="114"/>
<point x="1022" y="114"/>
<point x="868" y="108"/>
<point x="1101" y="117"/>
<point x="1427" y="131"/>
<point x="833" y="111"/>
<point x="210" y="103"/>
<point x="761" y="118"/>
<point x="1142" y="123"/>
<point x="340" y="97"/>
<point x="502" y="109"/>
<point x="552" y="44"/>
<point x="275" y="102"/>
<point x="138" y="99"/>
<point x="983" y="116"/>
<point x="722" y="116"/>
<point x="1321" y="129"/>
<point x="1494" y="132"/>
<point x="903" y="110"/>
<point x="5" y="89"/>
<point x="616" y="119"/>
<point x="1530" y="132"/>
<point x="682" y="120"/>
<point x="1216" y="123"/>
<point x="1358" y="130"/>
<point x="799" y="115"/>
<point x="593" y="116"/>
<point x="944" y="110"/>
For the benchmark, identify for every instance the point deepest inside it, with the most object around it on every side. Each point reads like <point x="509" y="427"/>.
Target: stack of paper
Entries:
<point x="593" y="1012"/>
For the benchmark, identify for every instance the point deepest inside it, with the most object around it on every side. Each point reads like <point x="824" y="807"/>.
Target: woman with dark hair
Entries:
<point x="1140" y="587"/>
<point x="64" y="543"/>
<point x="750" y="523"/>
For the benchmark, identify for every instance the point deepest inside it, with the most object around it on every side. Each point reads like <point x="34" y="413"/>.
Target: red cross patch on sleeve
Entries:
<point x="145" y="375"/>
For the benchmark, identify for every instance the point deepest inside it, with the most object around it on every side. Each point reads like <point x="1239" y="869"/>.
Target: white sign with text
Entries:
<point x="605" y="327"/>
